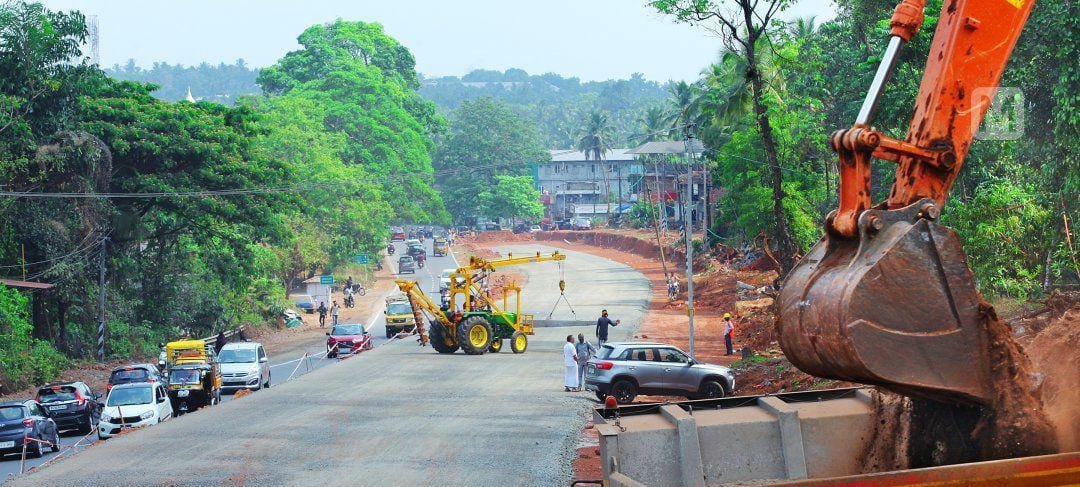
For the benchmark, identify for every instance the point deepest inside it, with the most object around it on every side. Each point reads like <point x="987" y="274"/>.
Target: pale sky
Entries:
<point x="590" y="39"/>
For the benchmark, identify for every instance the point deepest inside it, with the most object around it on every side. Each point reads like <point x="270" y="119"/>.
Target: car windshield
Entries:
<point x="237" y="355"/>
<point x="348" y="330"/>
<point x="399" y="308"/>
<point x="405" y="260"/>
<point x="183" y="376"/>
<point x="8" y="413"/>
<point x="672" y="355"/>
<point x="65" y="393"/>
<point x="130" y="396"/>
<point x="129" y="375"/>
<point x="605" y="352"/>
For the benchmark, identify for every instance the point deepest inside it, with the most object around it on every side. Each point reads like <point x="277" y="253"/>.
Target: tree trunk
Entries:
<point x="784" y="244"/>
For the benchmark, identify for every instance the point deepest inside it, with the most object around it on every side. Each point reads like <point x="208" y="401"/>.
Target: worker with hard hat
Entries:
<point x="729" y="333"/>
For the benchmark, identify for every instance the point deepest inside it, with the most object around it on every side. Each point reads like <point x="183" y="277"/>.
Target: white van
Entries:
<point x="133" y="405"/>
<point x="244" y="365"/>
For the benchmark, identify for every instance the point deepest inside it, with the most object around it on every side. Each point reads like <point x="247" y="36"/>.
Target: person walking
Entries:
<point x="334" y="311"/>
<point x="729" y="333"/>
<point x="570" y="362"/>
<point x="602" y="325"/>
<point x="585" y="351"/>
<point x="220" y="342"/>
<point x="322" y="314"/>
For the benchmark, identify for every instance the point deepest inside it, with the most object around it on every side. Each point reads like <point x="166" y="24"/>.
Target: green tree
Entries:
<point x="485" y="139"/>
<point x="513" y="197"/>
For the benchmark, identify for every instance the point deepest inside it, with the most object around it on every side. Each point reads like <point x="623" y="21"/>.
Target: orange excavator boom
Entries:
<point x="886" y="297"/>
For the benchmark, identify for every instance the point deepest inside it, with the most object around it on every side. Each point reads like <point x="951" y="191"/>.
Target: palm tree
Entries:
<point x="595" y="141"/>
<point x="683" y="97"/>
<point x="803" y="28"/>
<point x="652" y="125"/>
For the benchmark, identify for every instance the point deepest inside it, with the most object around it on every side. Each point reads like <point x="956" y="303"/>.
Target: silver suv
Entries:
<point x="624" y="370"/>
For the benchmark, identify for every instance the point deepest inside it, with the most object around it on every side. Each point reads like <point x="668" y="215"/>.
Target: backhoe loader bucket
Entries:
<point x="896" y="307"/>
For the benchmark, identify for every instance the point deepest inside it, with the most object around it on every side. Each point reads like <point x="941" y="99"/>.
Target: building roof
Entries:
<point x="571" y="155"/>
<point x="667" y="147"/>
<point x="25" y="284"/>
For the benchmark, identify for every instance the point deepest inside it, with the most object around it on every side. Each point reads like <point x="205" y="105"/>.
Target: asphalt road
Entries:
<point x="397" y="415"/>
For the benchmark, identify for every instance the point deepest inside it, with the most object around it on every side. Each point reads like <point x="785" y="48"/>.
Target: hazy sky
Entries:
<point x="591" y="39"/>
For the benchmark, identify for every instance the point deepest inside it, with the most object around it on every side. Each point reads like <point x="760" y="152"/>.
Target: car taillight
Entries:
<point x="80" y="398"/>
<point x="28" y="422"/>
<point x="604" y="365"/>
<point x="108" y="387"/>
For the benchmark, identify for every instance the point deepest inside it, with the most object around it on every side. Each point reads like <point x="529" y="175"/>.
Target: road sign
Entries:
<point x="360" y="259"/>
<point x="326" y="279"/>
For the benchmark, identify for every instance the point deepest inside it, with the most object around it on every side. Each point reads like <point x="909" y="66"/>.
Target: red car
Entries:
<point x="346" y="339"/>
<point x="397" y="234"/>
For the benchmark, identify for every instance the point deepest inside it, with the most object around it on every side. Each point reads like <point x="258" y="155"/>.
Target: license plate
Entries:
<point x="183" y="393"/>
<point x="56" y="408"/>
<point x="7" y="444"/>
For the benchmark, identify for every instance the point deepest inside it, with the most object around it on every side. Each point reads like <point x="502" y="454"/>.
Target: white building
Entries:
<point x="572" y="185"/>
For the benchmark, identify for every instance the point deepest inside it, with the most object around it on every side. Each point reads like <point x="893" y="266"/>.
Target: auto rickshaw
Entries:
<point x="440" y="246"/>
<point x="194" y="378"/>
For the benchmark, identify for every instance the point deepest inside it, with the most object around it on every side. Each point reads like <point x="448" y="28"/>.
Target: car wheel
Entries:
<point x="56" y="441"/>
<point x="89" y="426"/>
<point x="710" y="389"/>
<point x="624" y="391"/>
<point x="268" y="381"/>
<point x="389" y="335"/>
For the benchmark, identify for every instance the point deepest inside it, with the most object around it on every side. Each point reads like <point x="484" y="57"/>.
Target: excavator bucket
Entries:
<point x="895" y="307"/>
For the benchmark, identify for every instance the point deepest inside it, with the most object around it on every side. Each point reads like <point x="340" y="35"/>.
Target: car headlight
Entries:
<point x="146" y="415"/>
<point x="106" y="418"/>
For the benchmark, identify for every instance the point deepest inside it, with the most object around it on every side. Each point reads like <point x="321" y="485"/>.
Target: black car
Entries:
<point x="415" y="250"/>
<point x="72" y="405"/>
<point x="26" y="419"/>
<point x="406" y="264"/>
<point x="133" y="373"/>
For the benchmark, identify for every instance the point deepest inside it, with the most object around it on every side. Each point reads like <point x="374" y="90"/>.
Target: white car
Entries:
<point x="444" y="280"/>
<point x="244" y="365"/>
<point x="534" y="229"/>
<point x="134" y="405"/>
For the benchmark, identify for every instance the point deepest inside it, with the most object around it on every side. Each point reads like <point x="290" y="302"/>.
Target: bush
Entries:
<point x="24" y="360"/>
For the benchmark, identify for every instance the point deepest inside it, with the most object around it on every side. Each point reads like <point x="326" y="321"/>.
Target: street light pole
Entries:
<point x="688" y="228"/>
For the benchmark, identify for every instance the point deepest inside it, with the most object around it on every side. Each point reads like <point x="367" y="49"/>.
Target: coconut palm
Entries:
<point x="652" y="125"/>
<point x="684" y="98"/>
<point x="595" y="137"/>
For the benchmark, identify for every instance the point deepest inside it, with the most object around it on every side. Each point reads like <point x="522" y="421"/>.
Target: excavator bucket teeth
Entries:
<point x="896" y="307"/>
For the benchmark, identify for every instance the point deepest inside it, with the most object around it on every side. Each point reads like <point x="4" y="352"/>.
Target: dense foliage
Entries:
<point x="204" y="214"/>
<point x="557" y="106"/>
<point x="223" y="83"/>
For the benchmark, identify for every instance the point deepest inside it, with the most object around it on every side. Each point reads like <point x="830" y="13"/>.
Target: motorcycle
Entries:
<point x="350" y="302"/>
<point x="359" y="289"/>
<point x="390" y="249"/>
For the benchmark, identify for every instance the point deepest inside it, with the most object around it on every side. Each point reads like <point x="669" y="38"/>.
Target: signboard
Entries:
<point x="360" y="259"/>
<point x="326" y="279"/>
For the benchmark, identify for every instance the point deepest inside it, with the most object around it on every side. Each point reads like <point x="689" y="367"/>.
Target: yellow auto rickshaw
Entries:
<point x="193" y="375"/>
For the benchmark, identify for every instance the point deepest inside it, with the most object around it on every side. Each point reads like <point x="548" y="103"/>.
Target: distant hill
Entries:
<point x="556" y="104"/>
<point x="222" y="83"/>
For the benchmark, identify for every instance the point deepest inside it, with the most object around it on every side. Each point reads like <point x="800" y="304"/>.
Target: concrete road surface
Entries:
<point x="398" y="415"/>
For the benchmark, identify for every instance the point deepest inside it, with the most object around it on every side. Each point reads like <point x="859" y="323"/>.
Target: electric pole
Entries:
<point x="688" y="227"/>
<point x="101" y="302"/>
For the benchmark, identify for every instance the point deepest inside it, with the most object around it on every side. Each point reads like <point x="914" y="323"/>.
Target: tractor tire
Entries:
<point x="439" y="341"/>
<point x="496" y="345"/>
<point x="474" y="335"/>
<point x="519" y="341"/>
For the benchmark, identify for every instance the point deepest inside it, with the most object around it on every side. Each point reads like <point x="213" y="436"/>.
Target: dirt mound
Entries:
<point x="502" y="236"/>
<point x="1052" y="344"/>
<point x="625" y="243"/>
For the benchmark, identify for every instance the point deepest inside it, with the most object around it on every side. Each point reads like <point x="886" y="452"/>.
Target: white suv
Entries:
<point x="244" y="365"/>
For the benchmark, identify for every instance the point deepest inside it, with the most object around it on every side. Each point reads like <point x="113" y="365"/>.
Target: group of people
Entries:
<point x="577" y="354"/>
<point x="334" y="311"/>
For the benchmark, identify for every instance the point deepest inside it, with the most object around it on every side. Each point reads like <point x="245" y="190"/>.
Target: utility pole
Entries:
<point x="101" y="302"/>
<point x="688" y="227"/>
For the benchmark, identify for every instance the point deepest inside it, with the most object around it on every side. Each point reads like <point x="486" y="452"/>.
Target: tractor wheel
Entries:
<point x="439" y="341"/>
<point x="519" y="342"/>
<point x="474" y="335"/>
<point x="496" y="345"/>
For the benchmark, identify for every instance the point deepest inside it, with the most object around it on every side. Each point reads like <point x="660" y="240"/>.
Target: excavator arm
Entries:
<point x="887" y="297"/>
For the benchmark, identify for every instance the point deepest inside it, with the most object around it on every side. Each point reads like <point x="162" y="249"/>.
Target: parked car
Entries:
<point x="133" y="373"/>
<point x="564" y="225"/>
<point x="26" y="419"/>
<point x="581" y="223"/>
<point x="244" y="365"/>
<point x="534" y="228"/>
<point x="305" y="303"/>
<point x="71" y="405"/>
<point x="134" y="405"/>
<point x="347" y="339"/>
<point x="406" y="264"/>
<point x="624" y="370"/>
<point x="397" y="233"/>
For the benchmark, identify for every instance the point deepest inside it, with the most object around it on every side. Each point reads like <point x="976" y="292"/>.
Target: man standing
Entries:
<point x="585" y="351"/>
<point x="322" y="314"/>
<point x="729" y="333"/>
<point x="334" y="311"/>
<point x="570" y="361"/>
<point x="602" y="325"/>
